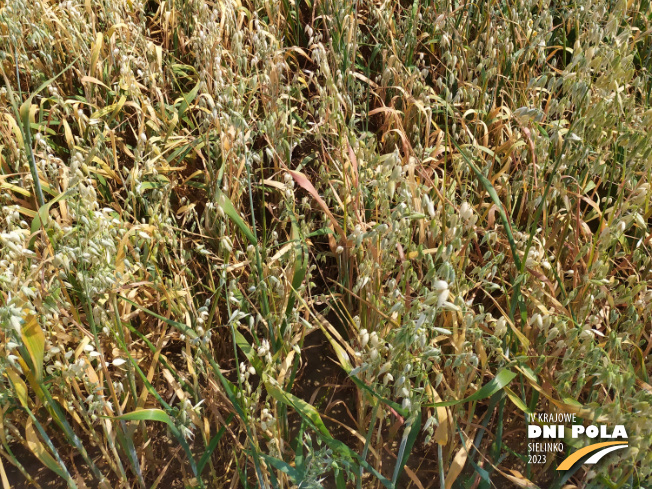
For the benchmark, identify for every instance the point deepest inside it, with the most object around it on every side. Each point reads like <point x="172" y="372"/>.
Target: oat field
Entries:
<point x="323" y="243"/>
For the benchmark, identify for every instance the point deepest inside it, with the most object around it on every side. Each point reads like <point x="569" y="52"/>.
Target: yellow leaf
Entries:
<point x="119" y="259"/>
<point x="3" y="476"/>
<point x="3" y="435"/>
<point x="95" y="52"/>
<point x="68" y="133"/>
<point x="33" y="109"/>
<point x="459" y="461"/>
<point x="34" y="340"/>
<point x="566" y="407"/>
<point x="15" y="129"/>
<point x="442" y="431"/>
<point x="39" y="450"/>
<point x="107" y="169"/>
<point x="520" y="480"/>
<point x="20" y="388"/>
<point x="115" y="27"/>
<point x="521" y="337"/>
<point x="15" y="188"/>
<point x="482" y="354"/>
<point x="80" y="348"/>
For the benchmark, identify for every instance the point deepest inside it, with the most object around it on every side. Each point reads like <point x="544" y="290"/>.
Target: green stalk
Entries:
<point x="259" y="266"/>
<point x="367" y="442"/>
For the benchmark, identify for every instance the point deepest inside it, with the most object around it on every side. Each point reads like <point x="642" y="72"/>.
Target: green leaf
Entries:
<point x="300" y="267"/>
<point x="249" y="352"/>
<point x="175" y="324"/>
<point x="229" y="388"/>
<point x="342" y="449"/>
<point x="518" y="402"/>
<point x="406" y="447"/>
<point x="27" y="104"/>
<point x="502" y="379"/>
<point x="151" y="185"/>
<point x="183" y="150"/>
<point x="339" y="479"/>
<point x="23" y="115"/>
<point x="226" y="205"/>
<point x="510" y="237"/>
<point x="395" y="406"/>
<point x="312" y="418"/>
<point x="162" y="417"/>
<point x="305" y="410"/>
<point x="322" y="232"/>
<point x="301" y="261"/>
<point x="147" y="415"/>
<point x="283" y="467"/>
<point x="212" y="445"/>
<point x="345" y="363"/>
<point x="499" y="205"/>
<point x="42" y="215"/>
<point x="188" y="99"/>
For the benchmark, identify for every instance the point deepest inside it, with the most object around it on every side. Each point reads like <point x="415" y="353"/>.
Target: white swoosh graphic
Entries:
<point x="595" y="458"/>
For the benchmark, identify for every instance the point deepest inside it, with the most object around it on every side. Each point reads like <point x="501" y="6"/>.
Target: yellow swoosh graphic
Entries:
<point x="571" y="459"/>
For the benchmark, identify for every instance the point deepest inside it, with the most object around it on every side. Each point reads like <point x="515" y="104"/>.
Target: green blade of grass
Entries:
<point x="407" y="442"/>
<point x="212" y="445"/>
<point x="517" y="300"/>
<point x="227" y="206"/>
<point x="502" y="379"/>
